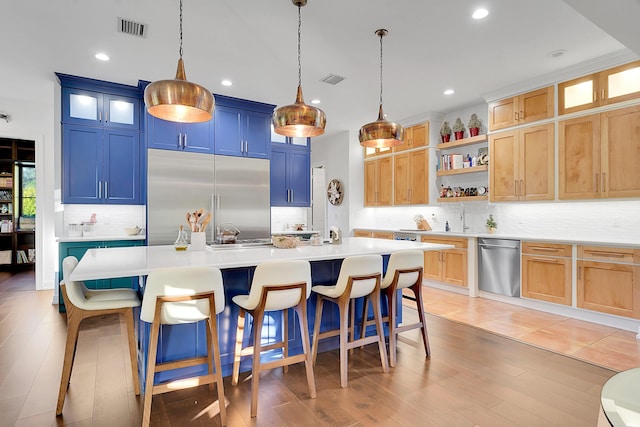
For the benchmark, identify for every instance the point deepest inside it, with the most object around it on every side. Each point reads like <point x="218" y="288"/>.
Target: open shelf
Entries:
<point x="482" y="168"/>
<point x="463" y="199"/>
<point x="462" y="142"/>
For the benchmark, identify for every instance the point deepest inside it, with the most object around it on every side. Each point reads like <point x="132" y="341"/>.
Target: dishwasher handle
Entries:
<point x="487" y="245"/>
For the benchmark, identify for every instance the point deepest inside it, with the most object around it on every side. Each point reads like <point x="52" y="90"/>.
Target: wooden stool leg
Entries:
<point x="316" y="328"/>
<point x="209" y="334"/>
<point x="238" y="351"/>
<point x="376" y="312"/>
<point x="344" y="325"/>
<point x="151" y="368"/>
<point x="393" y="334"/>
<point x="73" y="327"/>
<point x="133" y="354"/>
<point x="258" y="318"/>
<point x="301" y="309"/>
<point x="285" y="337"/>
<point x="218" y="366"/>
<point x="417" y="290"/>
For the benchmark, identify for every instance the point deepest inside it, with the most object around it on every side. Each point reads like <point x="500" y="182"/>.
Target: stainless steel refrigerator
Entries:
<point x="235" y="189"/>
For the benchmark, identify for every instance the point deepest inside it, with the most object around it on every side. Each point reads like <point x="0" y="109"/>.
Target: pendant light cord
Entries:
<point x="381" y="35"/>
<point x="299" y="32"/>
<point x="180" y="29"/>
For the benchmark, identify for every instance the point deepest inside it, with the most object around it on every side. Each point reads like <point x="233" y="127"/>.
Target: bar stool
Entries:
<point x="183" y="295"/>
<point x="82" y="303"/>
<point x="276" y="286"/>
<point x="359" y="277"/>
<point x="403" y="271"/>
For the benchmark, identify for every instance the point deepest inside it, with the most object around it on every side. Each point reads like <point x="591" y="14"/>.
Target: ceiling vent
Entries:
<point x="332" y="79"/>
<point x="133" y="28"/>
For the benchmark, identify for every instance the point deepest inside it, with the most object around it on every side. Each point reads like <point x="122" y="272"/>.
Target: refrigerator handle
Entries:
<point x="215" y="208"/>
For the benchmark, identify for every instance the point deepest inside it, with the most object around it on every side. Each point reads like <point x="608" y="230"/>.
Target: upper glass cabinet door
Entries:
<point x="97" y="109"/>
<point x="622" y="83"/>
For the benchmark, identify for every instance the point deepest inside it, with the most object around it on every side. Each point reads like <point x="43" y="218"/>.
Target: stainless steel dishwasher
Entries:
<point x="499" y="266"/>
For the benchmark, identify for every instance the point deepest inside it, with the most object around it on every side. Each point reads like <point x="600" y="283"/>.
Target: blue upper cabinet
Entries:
<point x="290" y="175"/>
<point x="242" y="128"/>
<point x="103" y="156"/>
<point x="166" y="135"/>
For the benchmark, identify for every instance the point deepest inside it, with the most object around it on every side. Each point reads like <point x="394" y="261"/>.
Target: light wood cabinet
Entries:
<point x="410" y="178"/>
<point x="609" y="280"/>
<point x="372" y="152"/>
<point x="522" y="165"/>
<point x="382" y="235"/>
<point x="610" y="86"/>
<point x="362" y="233"/>
<point x="447" y="266"/>
<point x="526" y="108"/>
<point x="378" y="175"/>
<point x="598" y="155"/>
<point x="414" y="137"/>
<point x="546" y="272"/>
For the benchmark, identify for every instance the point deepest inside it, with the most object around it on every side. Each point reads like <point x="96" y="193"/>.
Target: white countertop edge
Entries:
<point x="98" y="238"/>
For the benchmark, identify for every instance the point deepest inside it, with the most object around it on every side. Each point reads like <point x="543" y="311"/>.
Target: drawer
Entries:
<point x="382" y="235"/>
<point x="550" y="249"/>
<point x="458" y="242"/>
<point x="605" y="253"/>
<point x="361" y="233"/>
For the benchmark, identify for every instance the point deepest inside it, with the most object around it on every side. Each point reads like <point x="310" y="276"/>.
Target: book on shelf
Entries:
<point x="5" y="257"/>
<point x="6" y="182"/>
<point x="31" y="254"/>
<point x="6" y="226"/>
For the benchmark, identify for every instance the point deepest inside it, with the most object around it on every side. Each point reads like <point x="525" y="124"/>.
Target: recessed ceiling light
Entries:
<point x="449" y="92"/>
<point x="226" y="83"/>
<point x="480" y="13"/>
<point x="102" y="56"/>
<point x="556" y="53"/>
<point x="315" y="101"/>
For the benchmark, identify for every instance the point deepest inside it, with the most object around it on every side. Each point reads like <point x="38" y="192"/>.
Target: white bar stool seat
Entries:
<point x="82" y="303"/>
<point x="359" y="277"/>
<point x="276" y="286"/>
<point x="183" y="295"/>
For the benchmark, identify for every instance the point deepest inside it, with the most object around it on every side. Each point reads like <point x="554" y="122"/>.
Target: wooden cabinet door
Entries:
<point x="420" y="135"/>
<point x="401" y="177"/>
<point x="385" y="181"/>
<point x="408" y="141"/>
<point x="370" y="183"/>
<point x="503" y="165"/>
<point x="535" y="105"/>
<point x="502" y="114"/>
<point x="620" y="83"/>
<point x="419" y="178"/>
<point x="578" y="94"/>
<point x="579" y="158"/>
<point x="546" y="278"/>
<point x="454" y="267"/>
<point x="536" y="163"/>
<point x="621" y="152"/>
<point x="432" y="265"/>
<point x="609" y="288"/>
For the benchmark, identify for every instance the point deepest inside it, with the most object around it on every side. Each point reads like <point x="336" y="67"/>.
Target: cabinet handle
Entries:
<point x="604" y="181"/>
<point x="522" y="188"/>
<point x="608" y="254"/>
<point x="515" y="116"/>
<point x="246" y="147"/>
<point x="99" y="189"/>
<point x="540" y="248"/>
<point x="522" y="116"/>
<point x="106" y="117"/>
<point x="242" y="146"/>
<point x="179" y="141"/>
<point x="547" y="260"/>
<point x="595" y="96"/>
<point x="291" y="195"/>
<point x="106" y="190"/>
<point x="603" y="94"/>
<point x="184" y="141"/>
<point x="99" y="116"/>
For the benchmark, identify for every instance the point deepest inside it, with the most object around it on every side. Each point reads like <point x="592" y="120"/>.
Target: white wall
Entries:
<point x="35" y="120"/>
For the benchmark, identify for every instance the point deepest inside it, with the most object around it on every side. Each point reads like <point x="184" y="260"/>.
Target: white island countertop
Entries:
<point x="141" y="260"/>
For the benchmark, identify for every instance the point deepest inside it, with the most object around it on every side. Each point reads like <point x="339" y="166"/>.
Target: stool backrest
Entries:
<point x="280" y="273"/>
<point x="403" y="260"/>
<point x="182" y="281"/>
<point x="76" y="291"/>
<point x="359" y="265"/>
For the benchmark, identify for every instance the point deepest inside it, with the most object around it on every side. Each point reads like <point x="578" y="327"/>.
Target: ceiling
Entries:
<point x="432" y="45"/>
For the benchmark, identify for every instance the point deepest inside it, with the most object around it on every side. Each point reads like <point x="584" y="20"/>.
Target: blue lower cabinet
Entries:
<point x="179" y="341"/>
<point x="78" y="249"/>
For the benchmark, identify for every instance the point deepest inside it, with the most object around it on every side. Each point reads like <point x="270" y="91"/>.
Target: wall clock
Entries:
<point x="335" y="192"/>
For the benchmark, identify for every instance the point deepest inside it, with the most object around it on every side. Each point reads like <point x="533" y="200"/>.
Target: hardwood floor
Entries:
<point x="474" y="378"/>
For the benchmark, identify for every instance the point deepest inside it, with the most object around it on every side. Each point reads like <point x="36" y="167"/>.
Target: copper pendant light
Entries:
<point x="299" y="119"/>
<point x="381" y="133"/>
<point x="179" y="100"/>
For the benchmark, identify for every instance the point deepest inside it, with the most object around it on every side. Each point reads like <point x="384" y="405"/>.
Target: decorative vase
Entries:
<point x="446" y="138"/>
<point x="491" y="230"/>
<point x="474" y="131"/>
<point x="459" y="134"/>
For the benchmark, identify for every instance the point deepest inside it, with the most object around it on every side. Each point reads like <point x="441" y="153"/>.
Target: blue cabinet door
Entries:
<point x="257" y="134"/>
<point x="81" y="164"/>
<point x="166" y="135"/>
<point x="121" y="165"/>
<point x="300" y="177"/>
<point x="279" y="174"/>
<point x="93" y="108"/>
<point x="242" y="133"/>
<point x="228" y="133"/>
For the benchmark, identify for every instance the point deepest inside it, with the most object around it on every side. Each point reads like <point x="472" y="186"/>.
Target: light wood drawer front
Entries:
<point x="382" y="235"/>
<point x="605" y="253"/>
<point x="550" y="249"/>
<point x="361" y="233"/>
<point x="457" y="242"/>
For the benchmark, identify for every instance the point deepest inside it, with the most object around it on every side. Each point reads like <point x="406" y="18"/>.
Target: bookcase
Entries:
<point x="17" y="235"/>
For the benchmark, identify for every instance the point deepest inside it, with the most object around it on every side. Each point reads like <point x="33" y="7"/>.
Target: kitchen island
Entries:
<point x="237" y="267"/>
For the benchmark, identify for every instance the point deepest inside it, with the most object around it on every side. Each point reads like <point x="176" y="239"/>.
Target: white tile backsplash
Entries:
<point x="283" y="218"/>
<point x="110" y="219"/>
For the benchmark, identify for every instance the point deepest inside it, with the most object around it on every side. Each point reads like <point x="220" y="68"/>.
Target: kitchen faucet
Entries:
<point x="465" y="228"/>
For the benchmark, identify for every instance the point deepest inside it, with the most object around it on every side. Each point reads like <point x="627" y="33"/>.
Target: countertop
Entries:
<point x="565" y="238"/>
<point x="141" y="260"/>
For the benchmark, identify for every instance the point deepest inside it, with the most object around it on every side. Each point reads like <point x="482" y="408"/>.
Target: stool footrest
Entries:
<point x="168" y="366"/>
<point x="285" y="361"/>
<point x="183" y="383"/>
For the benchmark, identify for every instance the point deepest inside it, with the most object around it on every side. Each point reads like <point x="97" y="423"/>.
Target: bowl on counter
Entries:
<point x="132" y="231"/>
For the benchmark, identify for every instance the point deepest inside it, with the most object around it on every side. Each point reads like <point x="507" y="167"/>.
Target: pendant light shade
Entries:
<point x="299" y="119"/>
<point x="381" y="133"/>
<point x="179" y="100"/>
